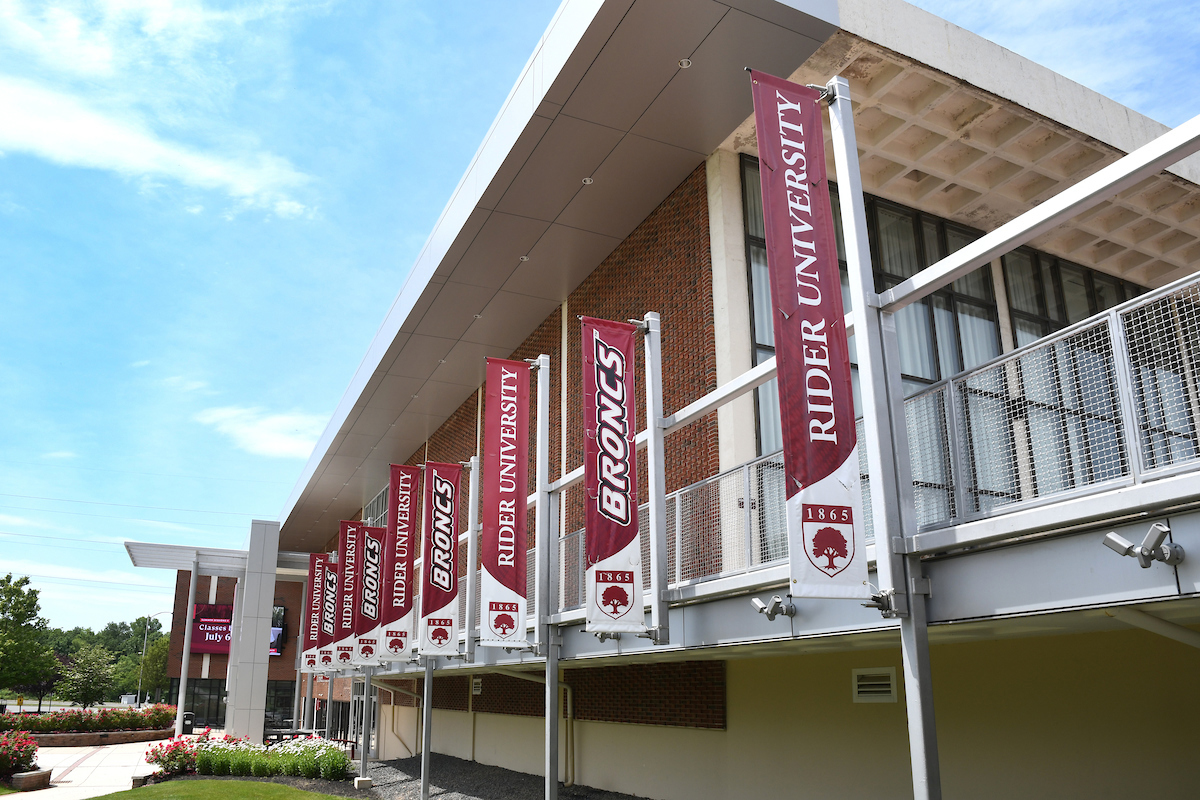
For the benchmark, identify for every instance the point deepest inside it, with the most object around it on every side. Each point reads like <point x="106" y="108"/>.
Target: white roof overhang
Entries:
<point x="604" y="97"/>
<point x="211" y="560"/>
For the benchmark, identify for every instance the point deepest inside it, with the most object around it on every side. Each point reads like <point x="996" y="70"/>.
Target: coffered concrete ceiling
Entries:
<point x="929" y="140"/>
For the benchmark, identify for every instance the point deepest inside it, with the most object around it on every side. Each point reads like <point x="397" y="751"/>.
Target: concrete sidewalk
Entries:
<point x="82" y="772"/>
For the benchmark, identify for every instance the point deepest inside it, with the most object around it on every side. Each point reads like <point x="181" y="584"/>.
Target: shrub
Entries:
<point x="18" y="753"/>
<point x="204" y="761"/>
<point x="334" y="765"/>
<point x="72" y="720"/>
<point x="308" y="766"/>
<point x="261" y="765"/>
<point x="239" y="763"/>
<point x="174" y="756"/>
<point x="220" y="762"/>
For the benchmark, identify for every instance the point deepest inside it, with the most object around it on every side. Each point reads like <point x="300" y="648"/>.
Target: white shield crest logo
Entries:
<point x="828" y="537"/>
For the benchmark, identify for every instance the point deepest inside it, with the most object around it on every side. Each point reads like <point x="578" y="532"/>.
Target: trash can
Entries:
<point x="189" y="722"/>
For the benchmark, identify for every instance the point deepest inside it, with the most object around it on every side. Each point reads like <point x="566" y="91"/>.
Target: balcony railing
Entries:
<point x="1111" y="401"/>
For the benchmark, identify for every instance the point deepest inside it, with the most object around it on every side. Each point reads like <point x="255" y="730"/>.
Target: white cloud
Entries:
<point x="182" y="384"/>
<point x="194" y="209"/>
<point x="140" y="364"/>
<point x="11" y="521"/>
<point x="255" y="431"/>
<point x="64" y="454"/>
<point x="64" y="129"/>
<point x="288" y="208"/>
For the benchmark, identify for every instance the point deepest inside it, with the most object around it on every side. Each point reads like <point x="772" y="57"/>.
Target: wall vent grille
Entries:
<point x="873" y="685"/>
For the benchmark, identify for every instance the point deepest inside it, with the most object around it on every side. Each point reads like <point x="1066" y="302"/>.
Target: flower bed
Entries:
<point x="308" y="758"/>
<point x="18" y="753"/>
<point x="77" y="720"/>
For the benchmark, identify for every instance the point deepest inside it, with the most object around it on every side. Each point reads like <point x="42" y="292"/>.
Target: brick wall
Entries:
<point x="686" y="694"/>
<point x="281" y="668"/>
<point x="663" y="266"/>
<point x="504" y="694"/>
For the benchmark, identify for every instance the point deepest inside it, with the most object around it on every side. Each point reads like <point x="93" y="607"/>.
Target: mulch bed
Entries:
<point x="455" y="779"/>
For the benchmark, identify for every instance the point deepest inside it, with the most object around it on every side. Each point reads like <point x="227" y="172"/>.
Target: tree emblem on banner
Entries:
<point x="828" y="537"/>
<point x="614" y="592"/>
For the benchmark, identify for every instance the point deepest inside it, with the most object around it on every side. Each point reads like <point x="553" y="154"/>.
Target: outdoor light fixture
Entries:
<point x="523" y="258"/>
<point x="1150" y="550"/>
<point x="587" y="181"/>
<point x="774" y="608"/>
<point x="684" y="63"/>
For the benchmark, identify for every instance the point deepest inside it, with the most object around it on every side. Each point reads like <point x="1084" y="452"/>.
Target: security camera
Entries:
<point x="774" y="608"/>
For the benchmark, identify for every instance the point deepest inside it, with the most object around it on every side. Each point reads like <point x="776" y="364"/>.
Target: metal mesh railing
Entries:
<point x="1040" y="423"/>
<point x="1047" y="421"/>
<point x="1162" y="338"/>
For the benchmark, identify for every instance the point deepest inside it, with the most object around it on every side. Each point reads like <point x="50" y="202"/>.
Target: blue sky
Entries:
<point x="207" y="208"/>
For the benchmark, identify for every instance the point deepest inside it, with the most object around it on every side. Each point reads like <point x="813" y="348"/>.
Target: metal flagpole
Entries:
<point x="366" y="722"/>
<point x="545" y="585"/>
<point x="656" y="481"/>
<point x="473" y="526"/>
<point x="542" y="529"/>
<point x="187" y="644"/>
<point x="902" y="589"/>
<point x="427" y="723"/>
<point x="310" y="704"/>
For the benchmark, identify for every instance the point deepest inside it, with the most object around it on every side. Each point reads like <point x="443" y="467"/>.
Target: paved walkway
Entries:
<point x="82" y="772"/>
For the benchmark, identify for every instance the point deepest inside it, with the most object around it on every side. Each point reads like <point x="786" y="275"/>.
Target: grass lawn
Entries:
<point x="5" y="790"/>
<point x="233" y="790"/>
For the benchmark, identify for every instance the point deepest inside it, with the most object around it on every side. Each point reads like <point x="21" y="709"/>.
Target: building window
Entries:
<point x="952" y="330"/>
<point x="1046" y="293"/>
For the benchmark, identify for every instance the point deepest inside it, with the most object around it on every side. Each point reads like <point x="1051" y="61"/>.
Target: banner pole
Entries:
<point x="427" y="725"/>
<point x="187" y="644"/>
<point x="472" y="556"/>
<point x="366" y="722"/>
<point x="886" y="439"/>
<point x="542" y="530"/>
<point x="310" y="704"/>
<point x="656" y="481"/>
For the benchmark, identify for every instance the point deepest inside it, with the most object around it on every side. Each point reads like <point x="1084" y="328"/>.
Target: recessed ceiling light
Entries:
<point x="684" y="63"/>
<point x="587" y="181"/>
<point x="523" y="258"/>
<point x="479" y="316"/>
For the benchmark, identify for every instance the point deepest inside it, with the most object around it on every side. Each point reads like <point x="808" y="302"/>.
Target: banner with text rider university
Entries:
<point x="368" y="601"/>
<point x="614" y="554"/>
<point x="329" y="606"/>
<point x="314" y="594"/>
<point x="349" y="586"/>
<point x="439" y="565"/>
<point x="820" y="452"/>
<point x="404" y="514"/>
<point x="504" y="503"/>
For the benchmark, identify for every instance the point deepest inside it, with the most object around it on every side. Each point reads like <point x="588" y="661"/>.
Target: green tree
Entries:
<point x="44" y="682"/>
<point x="125" y="676"/>
<point x="25" y="659"/>
<point x="154" y="669"/>
<point x="64" y="643"/>
<point x="117" y="638"/>
<point x="89" y="677"/>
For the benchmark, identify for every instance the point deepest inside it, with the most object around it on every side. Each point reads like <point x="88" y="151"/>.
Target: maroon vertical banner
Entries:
<point x="349" y="587"/>
<point x="614" y="554"/>
<point x="368" y="601"/>
<point x="404" y="514"/>
<point x="439" y="567"/>
<point x="314" y="593"/>
<point x="328" y="633"/>
<point x="824" y="502"/>
<point x="329" y="607"/>
<point x="504" y="503"/>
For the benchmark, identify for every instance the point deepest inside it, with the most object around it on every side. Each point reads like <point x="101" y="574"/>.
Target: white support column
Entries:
<point x="252" y="633"/>
<point x="473" y="526"/>
<point x="427" y="725"/>
<point x="553" y="639"/>
<point x="187" y="645"/>
<point x="656" y="481"/>
<point x="231" y="661"/>
<point x="886" y="440"/>
<point x="310" y="704"/>
<point x="365" y="752"/>
<point x="542" y="530"/>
